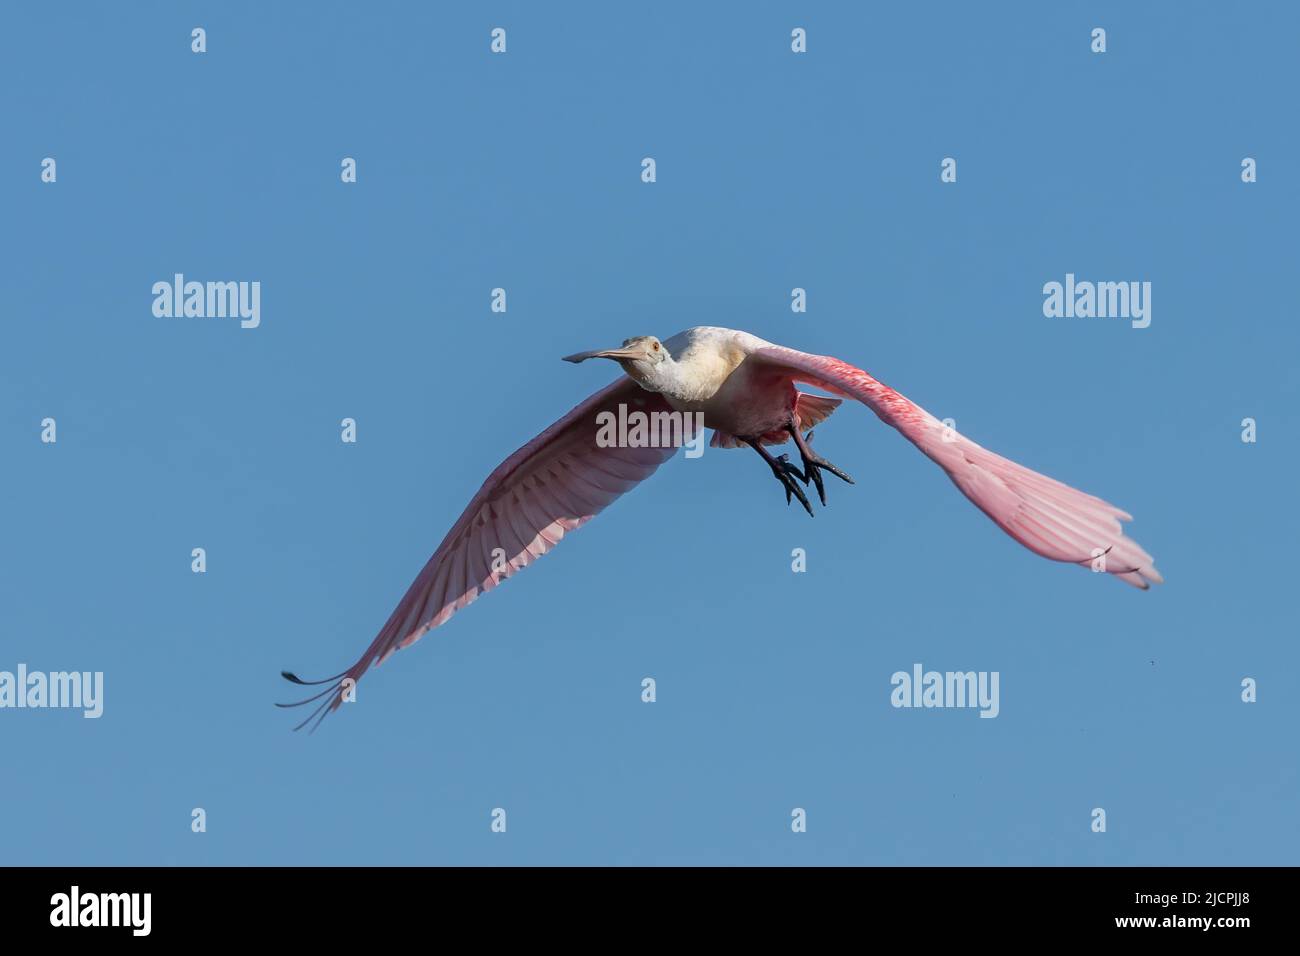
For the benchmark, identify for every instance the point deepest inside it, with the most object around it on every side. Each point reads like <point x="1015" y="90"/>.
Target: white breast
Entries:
<point x="734" y="395"/>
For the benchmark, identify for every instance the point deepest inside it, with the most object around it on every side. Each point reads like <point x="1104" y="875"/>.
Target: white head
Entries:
<point x="641" y="357"/>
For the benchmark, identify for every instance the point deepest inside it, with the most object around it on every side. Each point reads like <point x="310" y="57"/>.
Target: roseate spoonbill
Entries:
<point x="744" y="387"/>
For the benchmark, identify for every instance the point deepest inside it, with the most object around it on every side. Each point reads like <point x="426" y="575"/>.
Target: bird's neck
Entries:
<point x="667" y="378"/>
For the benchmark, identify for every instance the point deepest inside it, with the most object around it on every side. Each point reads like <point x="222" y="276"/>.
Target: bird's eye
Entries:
<point x="656" y="346"/>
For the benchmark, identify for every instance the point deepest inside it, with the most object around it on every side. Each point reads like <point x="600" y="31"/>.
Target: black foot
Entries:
<point x="786" y="472"/>
<point x="814" y="464"/>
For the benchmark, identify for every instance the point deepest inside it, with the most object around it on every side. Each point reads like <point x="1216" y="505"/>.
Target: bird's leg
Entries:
<point x="813" y="463"/>
<point x="784" y="470"/>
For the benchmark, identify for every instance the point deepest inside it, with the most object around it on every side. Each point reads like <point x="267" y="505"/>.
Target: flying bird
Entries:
<point x="744" y="388"/>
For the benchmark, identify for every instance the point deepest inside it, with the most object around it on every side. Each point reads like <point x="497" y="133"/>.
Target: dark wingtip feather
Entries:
<point x="291" y="676"/>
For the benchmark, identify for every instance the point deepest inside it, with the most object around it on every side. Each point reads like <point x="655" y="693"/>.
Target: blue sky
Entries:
<point x="522" y="171"/>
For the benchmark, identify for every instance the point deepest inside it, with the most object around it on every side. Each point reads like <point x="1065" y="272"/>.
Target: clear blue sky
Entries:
<point x="775" y="170"/>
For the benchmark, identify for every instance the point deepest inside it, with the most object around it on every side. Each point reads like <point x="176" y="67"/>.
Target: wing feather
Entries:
<point x="551" y="486"/>
<point x="1047" y="516"/>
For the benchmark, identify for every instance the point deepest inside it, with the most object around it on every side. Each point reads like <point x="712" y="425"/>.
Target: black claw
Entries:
<point x="836" y="472"/>
<point x="816" y="463"/>
<point x="791" y="468"/>
<point x="817" y="480"/>
<point x="784" y="471"/>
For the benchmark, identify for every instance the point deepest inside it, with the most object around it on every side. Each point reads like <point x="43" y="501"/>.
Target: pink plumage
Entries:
<point x="744" y="388"/>
<point x="1046" y="516"/>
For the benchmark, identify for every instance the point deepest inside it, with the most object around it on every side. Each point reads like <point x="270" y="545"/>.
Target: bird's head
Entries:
<point x="640" y="357"/>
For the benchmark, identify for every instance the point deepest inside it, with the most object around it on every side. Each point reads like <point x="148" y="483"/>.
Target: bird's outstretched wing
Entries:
<point x="552" y="485"/>
<point x="1047" y="517"/>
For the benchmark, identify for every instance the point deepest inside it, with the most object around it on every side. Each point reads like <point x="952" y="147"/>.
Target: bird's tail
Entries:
<point x="811" y="410"/>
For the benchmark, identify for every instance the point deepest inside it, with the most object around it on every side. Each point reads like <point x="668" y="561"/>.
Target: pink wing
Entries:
<point x="552" y="485"/>
<point x="1046" y="516"/>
